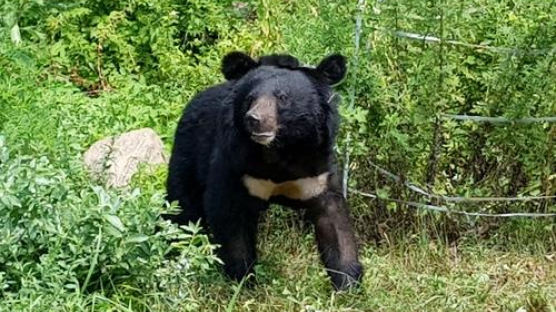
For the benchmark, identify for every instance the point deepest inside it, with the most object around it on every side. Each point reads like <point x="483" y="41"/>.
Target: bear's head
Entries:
<point x="278" y="102"/>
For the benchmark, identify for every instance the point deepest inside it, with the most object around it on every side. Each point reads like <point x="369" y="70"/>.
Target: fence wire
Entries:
<point x="434" y="39"/>
<point x="524" y="120"/>
<point x="479" y="119"/>
<point x="357" y="38"/>
<point x="454" y="211"/>
<point x="457" y="199"/>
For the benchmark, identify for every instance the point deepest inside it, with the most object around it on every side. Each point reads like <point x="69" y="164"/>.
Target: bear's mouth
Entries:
<point x="263" y="138"/>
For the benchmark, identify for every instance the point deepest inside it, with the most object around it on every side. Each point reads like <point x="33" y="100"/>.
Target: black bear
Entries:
<point x="264" y="136"/>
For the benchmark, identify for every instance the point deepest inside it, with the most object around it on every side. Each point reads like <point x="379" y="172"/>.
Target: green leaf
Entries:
<point x="137" y="238"/>
<point x="115" y="222"/>
<point x="15" y="34"/>
<point x="383" y="192"/>
<point x="42" y="181"/>
<point x="10" y="201"/>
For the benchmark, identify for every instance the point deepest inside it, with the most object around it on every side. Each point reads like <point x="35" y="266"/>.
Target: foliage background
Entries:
<point x="72" y="72"/>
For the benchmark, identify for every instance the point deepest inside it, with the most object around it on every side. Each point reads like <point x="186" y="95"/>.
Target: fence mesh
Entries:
<point x="458" y="96"/>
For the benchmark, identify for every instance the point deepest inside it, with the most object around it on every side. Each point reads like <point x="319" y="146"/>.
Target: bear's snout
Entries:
<point x="261" y="120"/>
<point x="253" y="121"/>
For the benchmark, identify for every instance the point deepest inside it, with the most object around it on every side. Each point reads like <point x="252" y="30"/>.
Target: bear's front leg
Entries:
<point x="232" y="216"/>
<point x="236" y="236"/>
<point x="336" y="240"/>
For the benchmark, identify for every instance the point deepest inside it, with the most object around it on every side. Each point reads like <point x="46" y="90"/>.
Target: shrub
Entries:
<point x="59" y="238"/>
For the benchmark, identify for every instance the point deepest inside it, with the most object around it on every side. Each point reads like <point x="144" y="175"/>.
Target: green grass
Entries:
<point x="413" y="274"/>
<point x="67" y="243"/>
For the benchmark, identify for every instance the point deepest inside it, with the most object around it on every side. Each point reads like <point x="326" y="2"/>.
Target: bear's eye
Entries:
<point x="249" y="99"/>
<point x="283" y="99"/>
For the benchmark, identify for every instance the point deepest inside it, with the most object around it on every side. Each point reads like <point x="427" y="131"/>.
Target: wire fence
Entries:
<point x="525" y="120"/>
<point x="458" y="199"/>
<point x="427" y="38"/>
<point x="433" y="39"/>
<point x="358" y="27"/>
<point x="454" y="211"/>
<point x="453" y="199"/>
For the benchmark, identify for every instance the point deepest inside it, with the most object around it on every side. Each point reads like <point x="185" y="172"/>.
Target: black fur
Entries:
<point x="212" y="151"/>
<point x="279" y="60"/>
<point x="237" y="64"/>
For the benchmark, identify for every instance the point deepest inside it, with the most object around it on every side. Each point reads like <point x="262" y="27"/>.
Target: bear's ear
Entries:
<point x="237" y="64"/>
<point x="280" y="60"/>
<point x="333" y="68"/>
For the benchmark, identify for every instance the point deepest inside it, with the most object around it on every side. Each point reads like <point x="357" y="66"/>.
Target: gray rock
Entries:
<point x="117" y="159"/>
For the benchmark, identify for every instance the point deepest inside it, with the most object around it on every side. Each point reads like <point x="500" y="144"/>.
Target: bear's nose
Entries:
<point x="253" y="121"/>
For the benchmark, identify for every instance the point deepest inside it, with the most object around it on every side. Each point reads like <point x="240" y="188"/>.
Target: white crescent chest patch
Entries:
<point x="300" y="189"/>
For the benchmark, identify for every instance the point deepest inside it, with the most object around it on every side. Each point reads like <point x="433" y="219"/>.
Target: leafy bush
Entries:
<point x="405" y="86"/>
<point x="60" y="239"/>
<point x="92" y="41"/>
